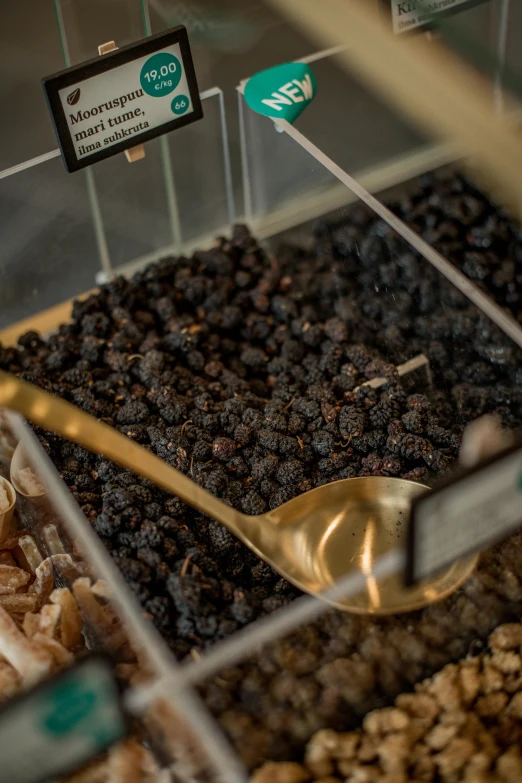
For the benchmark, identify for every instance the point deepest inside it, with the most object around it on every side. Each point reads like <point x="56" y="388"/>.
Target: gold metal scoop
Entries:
<point x="312" y="541"/>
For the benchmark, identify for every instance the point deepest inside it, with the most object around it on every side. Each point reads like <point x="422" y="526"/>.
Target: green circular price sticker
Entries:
<point x="160" y="74"/>
<point x="180" y="104"/>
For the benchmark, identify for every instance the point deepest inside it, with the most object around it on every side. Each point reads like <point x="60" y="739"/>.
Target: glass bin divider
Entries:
<point x="209" y="753"/>
<point x="75" y="203"/>
<point x="325" y="169"/>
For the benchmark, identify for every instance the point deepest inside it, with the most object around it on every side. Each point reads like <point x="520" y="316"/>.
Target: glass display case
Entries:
<point x="269" y="308"/>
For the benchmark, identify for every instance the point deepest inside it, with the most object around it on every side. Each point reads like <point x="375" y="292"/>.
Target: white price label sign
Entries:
<point x="407" y="15"/>
<point x="468" y="514"/>
<point x="124" y="98"/>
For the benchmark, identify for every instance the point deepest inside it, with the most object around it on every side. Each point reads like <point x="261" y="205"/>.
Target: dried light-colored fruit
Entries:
<point x="41" y="629"/>
<point x="31" y="662"/>
<point x="129" y="762"/>
<point x="53" y="540"/>
<point x="43" y="584"/>
<point x="49" y="619"/>
<point x="71" y="622"/>
<point x="29" y="483"/>
<point x="4" y="500"/>
<point x="460" y="726"/>
<point x="506" y="637"/>
<point x="28" y="554"/>
<point x="12" y="579"/>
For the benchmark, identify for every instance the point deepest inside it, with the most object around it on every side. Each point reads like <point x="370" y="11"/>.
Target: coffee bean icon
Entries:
<point x="74" y="97"/>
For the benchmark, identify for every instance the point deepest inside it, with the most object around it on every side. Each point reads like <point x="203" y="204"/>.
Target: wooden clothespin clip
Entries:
<point x="134" y="153"/>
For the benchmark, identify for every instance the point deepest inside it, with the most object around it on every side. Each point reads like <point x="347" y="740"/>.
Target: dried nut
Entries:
<point x="513" y="683"/>
<point x="487" y="743"/>
<point x="455" y="756"/>
<point x="326" y="740"/>
<point x="515" y="706"/>
<point x="366" y="774"/>
<point x="386" y="720"/>
<point x="367" y="749"/>
<point x="422" y="764"/>
<point x="319" y="752"/>
<point x="480" y="777"/>
<point x="479" y="762"/>
<point x="471" y="727"/>
<point x="469" y="682"/>
<point x="507" y="662"/>
<point x="348" y="745"/>
<point x="415" y="731"/>
<point x="419" y="705"/>
<point x="440" y="736"/>
<point x="491" y="679"/>
<point x="318" y="763"/>
<point x="393" y="751"/>
<point x="354" y="679"/>
<point x="491" y="705"/>
<point x="346" y="766"/>
<point x="445" y="687"/>
<point x="509" y="766"/>
<point x="506" y="637"/>
<point x="456" y="718"/>
<point x="284" y="772"/>
<point x="372" y="722"/>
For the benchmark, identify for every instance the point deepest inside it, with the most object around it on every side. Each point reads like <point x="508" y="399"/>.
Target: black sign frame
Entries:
<point x="411" y="578"/>
<point x="107" y="62"/>
<point x="432" y="25"/>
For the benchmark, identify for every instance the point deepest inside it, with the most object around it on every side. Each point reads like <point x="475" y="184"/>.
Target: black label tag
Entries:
<point x="418" y="15"/>
<point x="122" y="99"/>
<point x="466" y="514"/>
<point x="61" y="723"/>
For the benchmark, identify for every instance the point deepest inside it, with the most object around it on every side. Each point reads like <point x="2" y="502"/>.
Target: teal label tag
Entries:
<point x="282" y="92"/>
<point x="61" y="723"/>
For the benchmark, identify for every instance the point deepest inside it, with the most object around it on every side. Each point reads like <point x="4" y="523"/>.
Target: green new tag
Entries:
<point x="283" y="92"/>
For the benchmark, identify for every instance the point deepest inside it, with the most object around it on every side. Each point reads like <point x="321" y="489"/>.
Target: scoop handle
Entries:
<point x="52" y="413"/>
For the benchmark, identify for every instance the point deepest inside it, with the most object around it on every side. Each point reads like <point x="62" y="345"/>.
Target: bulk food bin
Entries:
<point x="239" y="365"/>
<point x="248" y="371"/>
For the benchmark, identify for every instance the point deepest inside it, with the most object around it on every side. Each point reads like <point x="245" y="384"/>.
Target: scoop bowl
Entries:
<point x="312" y="540"/>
